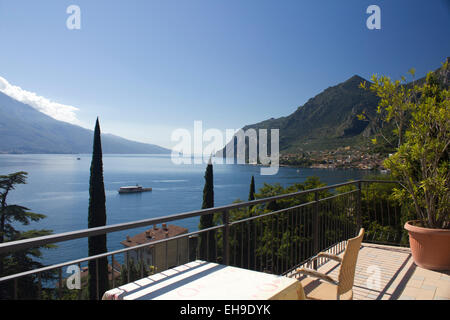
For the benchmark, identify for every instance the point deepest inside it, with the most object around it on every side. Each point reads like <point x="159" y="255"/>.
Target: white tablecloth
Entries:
<point x="200" y="280"/>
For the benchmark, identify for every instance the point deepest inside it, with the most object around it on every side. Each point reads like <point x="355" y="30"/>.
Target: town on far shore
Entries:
<point x="340" y="158"/>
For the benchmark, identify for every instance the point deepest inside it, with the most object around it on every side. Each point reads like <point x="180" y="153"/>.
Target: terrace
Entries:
<point x="273" y="235"/>
<point x="399" y="277"/>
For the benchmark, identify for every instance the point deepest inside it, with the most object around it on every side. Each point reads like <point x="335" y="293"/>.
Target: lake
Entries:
<point x="58" y="186"/>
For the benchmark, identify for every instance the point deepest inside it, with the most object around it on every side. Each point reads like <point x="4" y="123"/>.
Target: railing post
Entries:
<point x="16" y="289"/>
<point x="358" y="208"/>
<point x="226" y="240"/>
<point x="316" y="228"/>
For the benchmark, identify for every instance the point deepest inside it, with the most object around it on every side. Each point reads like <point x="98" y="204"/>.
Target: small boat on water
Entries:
<point x="133" y="189"/>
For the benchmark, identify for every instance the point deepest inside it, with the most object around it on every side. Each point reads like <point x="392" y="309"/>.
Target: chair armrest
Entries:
<point x="316" y="274"/>
<point x="326" y="255"/>
<point x="329" y="256"/>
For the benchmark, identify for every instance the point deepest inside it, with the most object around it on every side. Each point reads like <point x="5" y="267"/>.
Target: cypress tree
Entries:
<point x="251" y="235"/>
<point x="97" y="218"/>
<point x="251" y="195"/>
<point x="207" y="239"/>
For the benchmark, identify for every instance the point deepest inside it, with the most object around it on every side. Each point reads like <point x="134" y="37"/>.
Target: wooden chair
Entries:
<point x="325" y="287"/>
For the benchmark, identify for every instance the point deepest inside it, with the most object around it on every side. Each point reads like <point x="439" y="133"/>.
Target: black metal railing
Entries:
<point x="275" y="235"/>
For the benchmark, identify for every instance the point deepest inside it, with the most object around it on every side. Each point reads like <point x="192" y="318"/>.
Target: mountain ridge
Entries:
<point x="328" y="120"/>
<point x="330" y="115"/>
<point x="26" y="130"/>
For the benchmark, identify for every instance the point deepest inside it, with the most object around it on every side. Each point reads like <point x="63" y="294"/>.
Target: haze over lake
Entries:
<point x="58" y="186"/>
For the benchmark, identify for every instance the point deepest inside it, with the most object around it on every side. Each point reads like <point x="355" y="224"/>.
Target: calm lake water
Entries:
<point x="58" y="186"/>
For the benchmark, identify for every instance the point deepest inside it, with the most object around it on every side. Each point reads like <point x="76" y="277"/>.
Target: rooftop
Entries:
<point x="154" y="234"/>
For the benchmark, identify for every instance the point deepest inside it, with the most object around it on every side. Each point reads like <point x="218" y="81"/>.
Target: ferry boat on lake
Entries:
<point x="133" y="189"/>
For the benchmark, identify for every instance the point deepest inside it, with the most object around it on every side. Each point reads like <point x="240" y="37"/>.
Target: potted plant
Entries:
<point x="421" y="161"/>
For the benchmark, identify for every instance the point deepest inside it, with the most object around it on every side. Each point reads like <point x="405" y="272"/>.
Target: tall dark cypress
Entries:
<point x="251" y="195"/>
<point x="251" y="234"/>
<point x="97" y="218"/>
<point x="207" y="239"/>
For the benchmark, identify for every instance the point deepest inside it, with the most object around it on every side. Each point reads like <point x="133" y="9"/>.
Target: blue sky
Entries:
<point x="149" y="67"/>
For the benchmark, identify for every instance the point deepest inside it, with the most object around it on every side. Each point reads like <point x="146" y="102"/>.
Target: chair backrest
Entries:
<point x="348" y="264"/>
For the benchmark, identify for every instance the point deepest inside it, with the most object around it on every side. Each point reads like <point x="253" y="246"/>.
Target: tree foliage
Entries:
<point x="23" y="260"/>
<point x="207" y="239"/>
<point x="251" y="195"/>
<point x="396" y="99"/>
<point x="97" y="218"/>
<point x="270" y="242"/>
<point x="421" y="162"/>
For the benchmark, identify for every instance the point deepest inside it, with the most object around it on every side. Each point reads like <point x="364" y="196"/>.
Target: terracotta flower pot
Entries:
<point x="430" y="248"/>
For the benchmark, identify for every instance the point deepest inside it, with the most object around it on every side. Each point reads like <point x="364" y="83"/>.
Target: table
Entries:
<point x="200" y="280"/>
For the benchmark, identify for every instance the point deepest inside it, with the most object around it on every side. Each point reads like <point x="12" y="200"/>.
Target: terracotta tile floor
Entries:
<point x="389" y="273"/>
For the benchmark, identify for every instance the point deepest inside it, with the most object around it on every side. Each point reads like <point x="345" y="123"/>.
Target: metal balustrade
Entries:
<point x="260" y="235"/>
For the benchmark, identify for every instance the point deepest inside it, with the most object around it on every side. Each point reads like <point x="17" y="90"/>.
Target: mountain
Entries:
<point x="327" y="121"/>
<point x="23" y="129"/>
